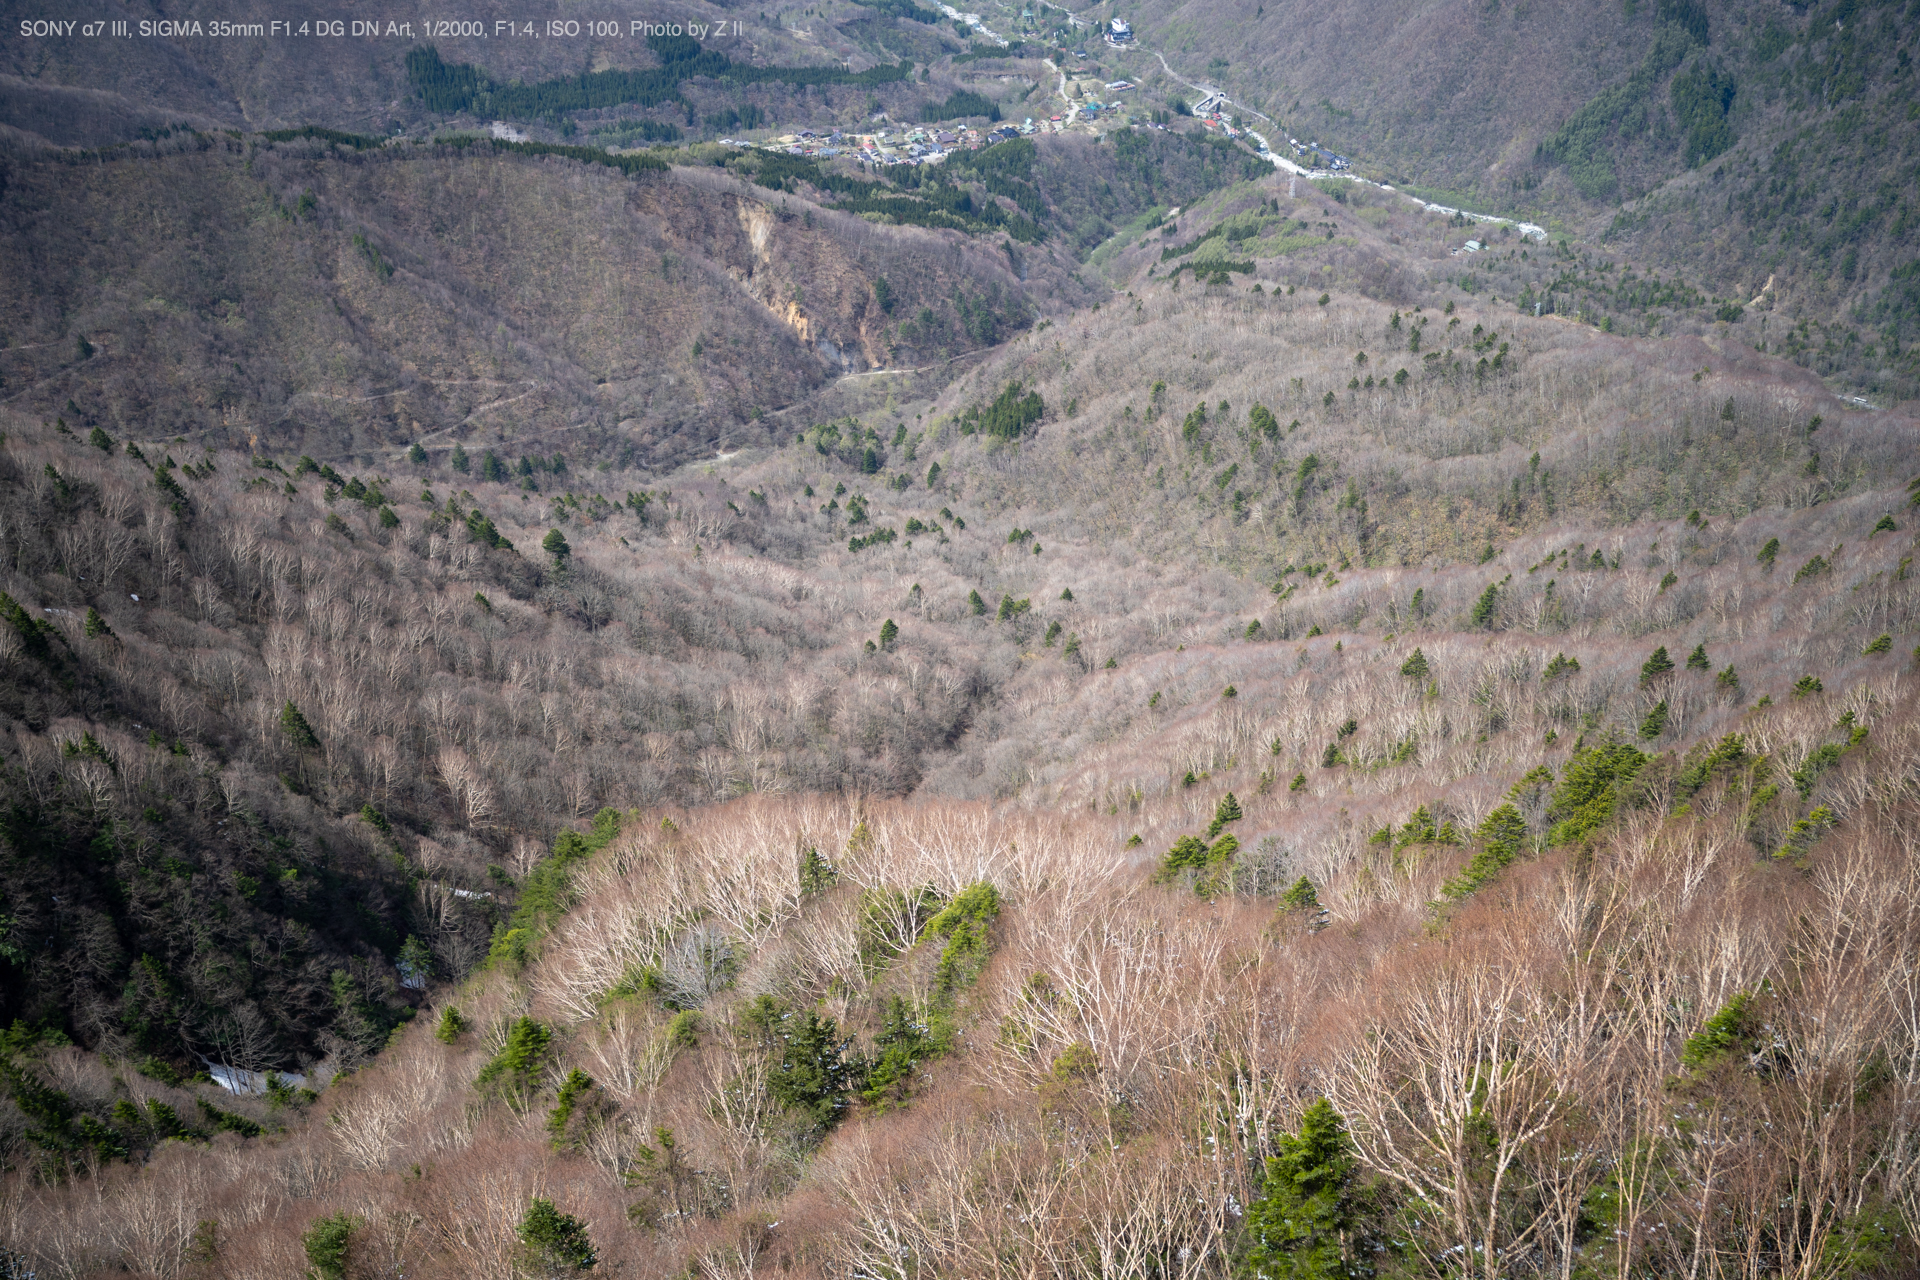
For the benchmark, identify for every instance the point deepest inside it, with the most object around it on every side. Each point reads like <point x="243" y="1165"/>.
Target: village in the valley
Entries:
<point x="1080" y="101"/>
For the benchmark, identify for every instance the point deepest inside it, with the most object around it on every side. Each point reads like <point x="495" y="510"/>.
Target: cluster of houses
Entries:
<point x="1083" y="107"/>
<point x="1212" y="111"/>
<point x="927" y="145"/>
<point x="1217" y="119"/>
<point x="1321" y="156"/>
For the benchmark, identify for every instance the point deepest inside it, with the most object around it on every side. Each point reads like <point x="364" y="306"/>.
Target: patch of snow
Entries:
<point x="236" y="1081"/>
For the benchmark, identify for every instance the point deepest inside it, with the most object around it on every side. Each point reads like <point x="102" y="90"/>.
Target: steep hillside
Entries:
<point x="337" y="301"/>
<point x="359" y="81"/>
<point x="1647" y="835"/>
<point x="1764" y="153"/>
<point x="1027" y="587"/>
<point x="1091" y="708"/>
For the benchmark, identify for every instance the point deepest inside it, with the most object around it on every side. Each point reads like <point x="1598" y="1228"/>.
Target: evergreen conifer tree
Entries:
<point x="1561" y="665"/>
<point x="1484" y="608"/>
<point x="1659" y="664"/>
<point x="1303" y="1228"/>
<point x="298" y="731"/>
<point x="326" y="1243"/>
<point x="1503" y="837"/>
<point x="816" y="873"/>
<point x="1228" y="810"/>
<point x="1300" y="896"/>
<point x="555" y="1243"/>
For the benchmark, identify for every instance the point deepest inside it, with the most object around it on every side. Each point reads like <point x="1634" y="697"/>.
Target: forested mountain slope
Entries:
<point x="1734" y="142"/>
<point x="1132" y="561"/>
<point x="1655" y="846"/>
<point x="322" y="294"/>
<point x="342" y="302"/>
<point x="1739" y="144"/>
<point x="359" y="81"/>
<point x="1087" y="710"/>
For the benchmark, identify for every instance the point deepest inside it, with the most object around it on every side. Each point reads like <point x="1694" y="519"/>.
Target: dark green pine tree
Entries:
<point x="889" y="632"/>
<point x="555" y="545"/>
<point x="1486" y="608"/>
<point x="1656" y="666"/>
<point x="816" y="873"/>
<point x="1228" y="810"/>
<point x="298" y="731"/>
<point x="1301" y="895"/>
<point x="1416" y="667"/>
<point x="1697" y="660"/>
<point x="459" y="459"/>
<point x="1303" y="1228"/>
<point x="812" y="1075"/>
<point x="1503" y="838"/>
<point x="975" y="603"/>
<point x="555" y="1242"/>
<point x="1189" y="853"/>
<point x="1561" y="665"/>
<point x="327" y="1243"/>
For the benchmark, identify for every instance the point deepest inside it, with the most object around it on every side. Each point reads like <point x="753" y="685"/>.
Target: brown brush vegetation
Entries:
<point x="1764" y="155"/>
<point x="1525" y="1072"/>
<point x="728" y="633"/>
<point x="967" y="835"/>
<point x="1124" y="1059"/>
<point x="351" y="303"/>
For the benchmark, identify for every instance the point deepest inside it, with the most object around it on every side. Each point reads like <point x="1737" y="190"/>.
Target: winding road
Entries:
<point x="1530" y="230"/>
